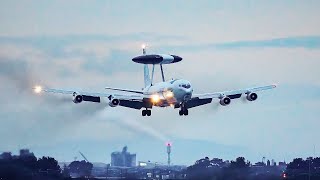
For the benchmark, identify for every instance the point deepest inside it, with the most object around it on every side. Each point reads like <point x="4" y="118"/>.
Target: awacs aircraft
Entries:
<point x="177" y="93"/>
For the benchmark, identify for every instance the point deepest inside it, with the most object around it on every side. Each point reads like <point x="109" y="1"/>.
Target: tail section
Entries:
<point x="147" y="80"/>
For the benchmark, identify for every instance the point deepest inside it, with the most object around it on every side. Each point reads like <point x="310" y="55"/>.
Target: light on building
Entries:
<point x="142" y="164"/>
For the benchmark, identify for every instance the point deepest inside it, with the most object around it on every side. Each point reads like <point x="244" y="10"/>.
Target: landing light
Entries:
<point x="143" y="46"/>
<point x="37" y="89"/>
<point x="155" y="98"/>
<point x="168" y="94"/>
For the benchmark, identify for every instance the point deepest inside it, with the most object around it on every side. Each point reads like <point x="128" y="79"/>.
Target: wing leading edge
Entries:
<point x="202" y="99"/>
<point x="234" y="93"/>
<point x="131" y="97"/>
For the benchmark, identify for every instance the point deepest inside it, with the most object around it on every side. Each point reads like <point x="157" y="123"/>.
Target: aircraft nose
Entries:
<point x="187" y="96"/>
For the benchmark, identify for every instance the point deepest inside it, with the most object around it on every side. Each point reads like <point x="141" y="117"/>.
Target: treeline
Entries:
<point x="303" y="169"/>
<point x="240" y="169"/>
<point x="205" y="169"/>
<point x="30" y="168"/>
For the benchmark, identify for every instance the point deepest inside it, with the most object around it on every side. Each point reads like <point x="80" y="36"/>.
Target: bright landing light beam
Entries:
<point x="168" y="94"/>
<point x="37" y="89"/>
<point x="155" y="98"/>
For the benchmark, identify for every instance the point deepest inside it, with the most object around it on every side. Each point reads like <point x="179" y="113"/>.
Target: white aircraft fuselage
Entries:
<point x="169" y="93"/>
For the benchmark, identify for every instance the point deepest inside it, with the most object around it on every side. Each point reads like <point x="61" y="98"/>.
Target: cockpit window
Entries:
<point x="187" y="86"/>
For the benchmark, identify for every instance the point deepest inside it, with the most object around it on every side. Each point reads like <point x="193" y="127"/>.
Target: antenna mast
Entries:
<point x="83" y="156"/>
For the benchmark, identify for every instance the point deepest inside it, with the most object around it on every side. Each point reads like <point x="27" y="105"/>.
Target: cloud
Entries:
<point x="307" y="42"/>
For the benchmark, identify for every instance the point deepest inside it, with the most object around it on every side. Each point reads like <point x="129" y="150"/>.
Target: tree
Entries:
<point x="65" y="171"/>
<point x="48" y="166"/>
<point x="238" y="169"/>
<point x="18" y="167"/>
<point x="81" y="168"/>
<point x="298" y="163"/>
<point x="216" y="162"/>
<point x="240" y="163"/>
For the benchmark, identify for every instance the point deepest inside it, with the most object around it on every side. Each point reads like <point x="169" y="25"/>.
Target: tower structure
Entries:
<point x="169" y="152"/>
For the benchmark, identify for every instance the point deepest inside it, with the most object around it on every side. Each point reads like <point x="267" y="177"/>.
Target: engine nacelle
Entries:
<point x="252" y="96"/>
<point x="77" y="99"/>
<point x="225" y="101"/>
<point x="114" y="102"/>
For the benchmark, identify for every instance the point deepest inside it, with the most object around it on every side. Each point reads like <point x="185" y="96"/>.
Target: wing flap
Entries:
<point x="131" y="104"/>
<point x="91" y="98"/>
<point x="234" y="96"/>
<point x="194" y="102"/>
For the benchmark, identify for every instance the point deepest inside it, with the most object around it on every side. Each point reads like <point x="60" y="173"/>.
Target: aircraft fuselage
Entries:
<point x="169" y="93"/>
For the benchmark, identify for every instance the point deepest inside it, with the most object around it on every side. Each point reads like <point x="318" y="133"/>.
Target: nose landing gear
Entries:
<point x="146" y="112"/>
<point x="183" y="111"/>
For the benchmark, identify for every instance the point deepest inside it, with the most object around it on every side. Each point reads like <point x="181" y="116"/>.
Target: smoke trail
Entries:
<point x="19" y="74"/>
<point x="132" y="124"/>
<point x="36" y="118"/>
<point x="52" y="113"/>
<point x="16" y="72"/>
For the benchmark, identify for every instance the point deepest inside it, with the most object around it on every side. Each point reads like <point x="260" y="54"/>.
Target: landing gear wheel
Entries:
<point x="144" y="112"/>
<point x="148" y="112"/>
<point x="183" y="112"/>
<point x="186" y="112"/>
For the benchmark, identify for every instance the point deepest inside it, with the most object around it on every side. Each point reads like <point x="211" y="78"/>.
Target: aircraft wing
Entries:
<point x="201" y="99"/>
<point x="89" y="95"/>
<point x="233" y="93"/>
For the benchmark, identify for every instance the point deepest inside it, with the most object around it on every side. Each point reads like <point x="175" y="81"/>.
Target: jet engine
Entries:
<point x="225" y="101"/>
<point x="252" y="96"/>
<point x="114" y="102"/>
<point x="77" y="99"/>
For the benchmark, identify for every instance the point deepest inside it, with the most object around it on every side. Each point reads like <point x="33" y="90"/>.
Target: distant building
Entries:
<point x="123" y="158"/>
<point x="268" y="163"/>
<point x="259" y="164"/>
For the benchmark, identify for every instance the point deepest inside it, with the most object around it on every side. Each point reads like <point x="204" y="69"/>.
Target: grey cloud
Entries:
<point x="308" y="42"/>
<point x="56" y="43"/>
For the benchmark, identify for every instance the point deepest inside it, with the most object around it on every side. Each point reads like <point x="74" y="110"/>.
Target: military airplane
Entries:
<point x="177" y="93"/>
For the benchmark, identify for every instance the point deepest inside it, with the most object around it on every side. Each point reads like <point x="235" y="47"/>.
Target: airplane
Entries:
<point x="176" y="93"/>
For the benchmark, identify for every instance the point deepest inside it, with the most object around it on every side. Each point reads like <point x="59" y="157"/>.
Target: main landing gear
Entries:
<point x="146" y="112"/>
<point x="183" y="111"/>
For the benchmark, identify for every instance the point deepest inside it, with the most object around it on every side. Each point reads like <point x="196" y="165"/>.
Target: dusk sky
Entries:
<point x="225" y="45"/>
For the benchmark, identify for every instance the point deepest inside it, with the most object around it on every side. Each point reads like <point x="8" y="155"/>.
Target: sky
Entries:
<point x="225" y="45"/>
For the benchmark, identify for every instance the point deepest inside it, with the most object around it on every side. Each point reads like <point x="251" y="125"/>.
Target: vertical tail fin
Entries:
<point x="147" y="80"/>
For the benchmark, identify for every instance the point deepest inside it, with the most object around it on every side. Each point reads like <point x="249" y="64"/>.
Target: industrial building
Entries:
<point x="123" y="158"/>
